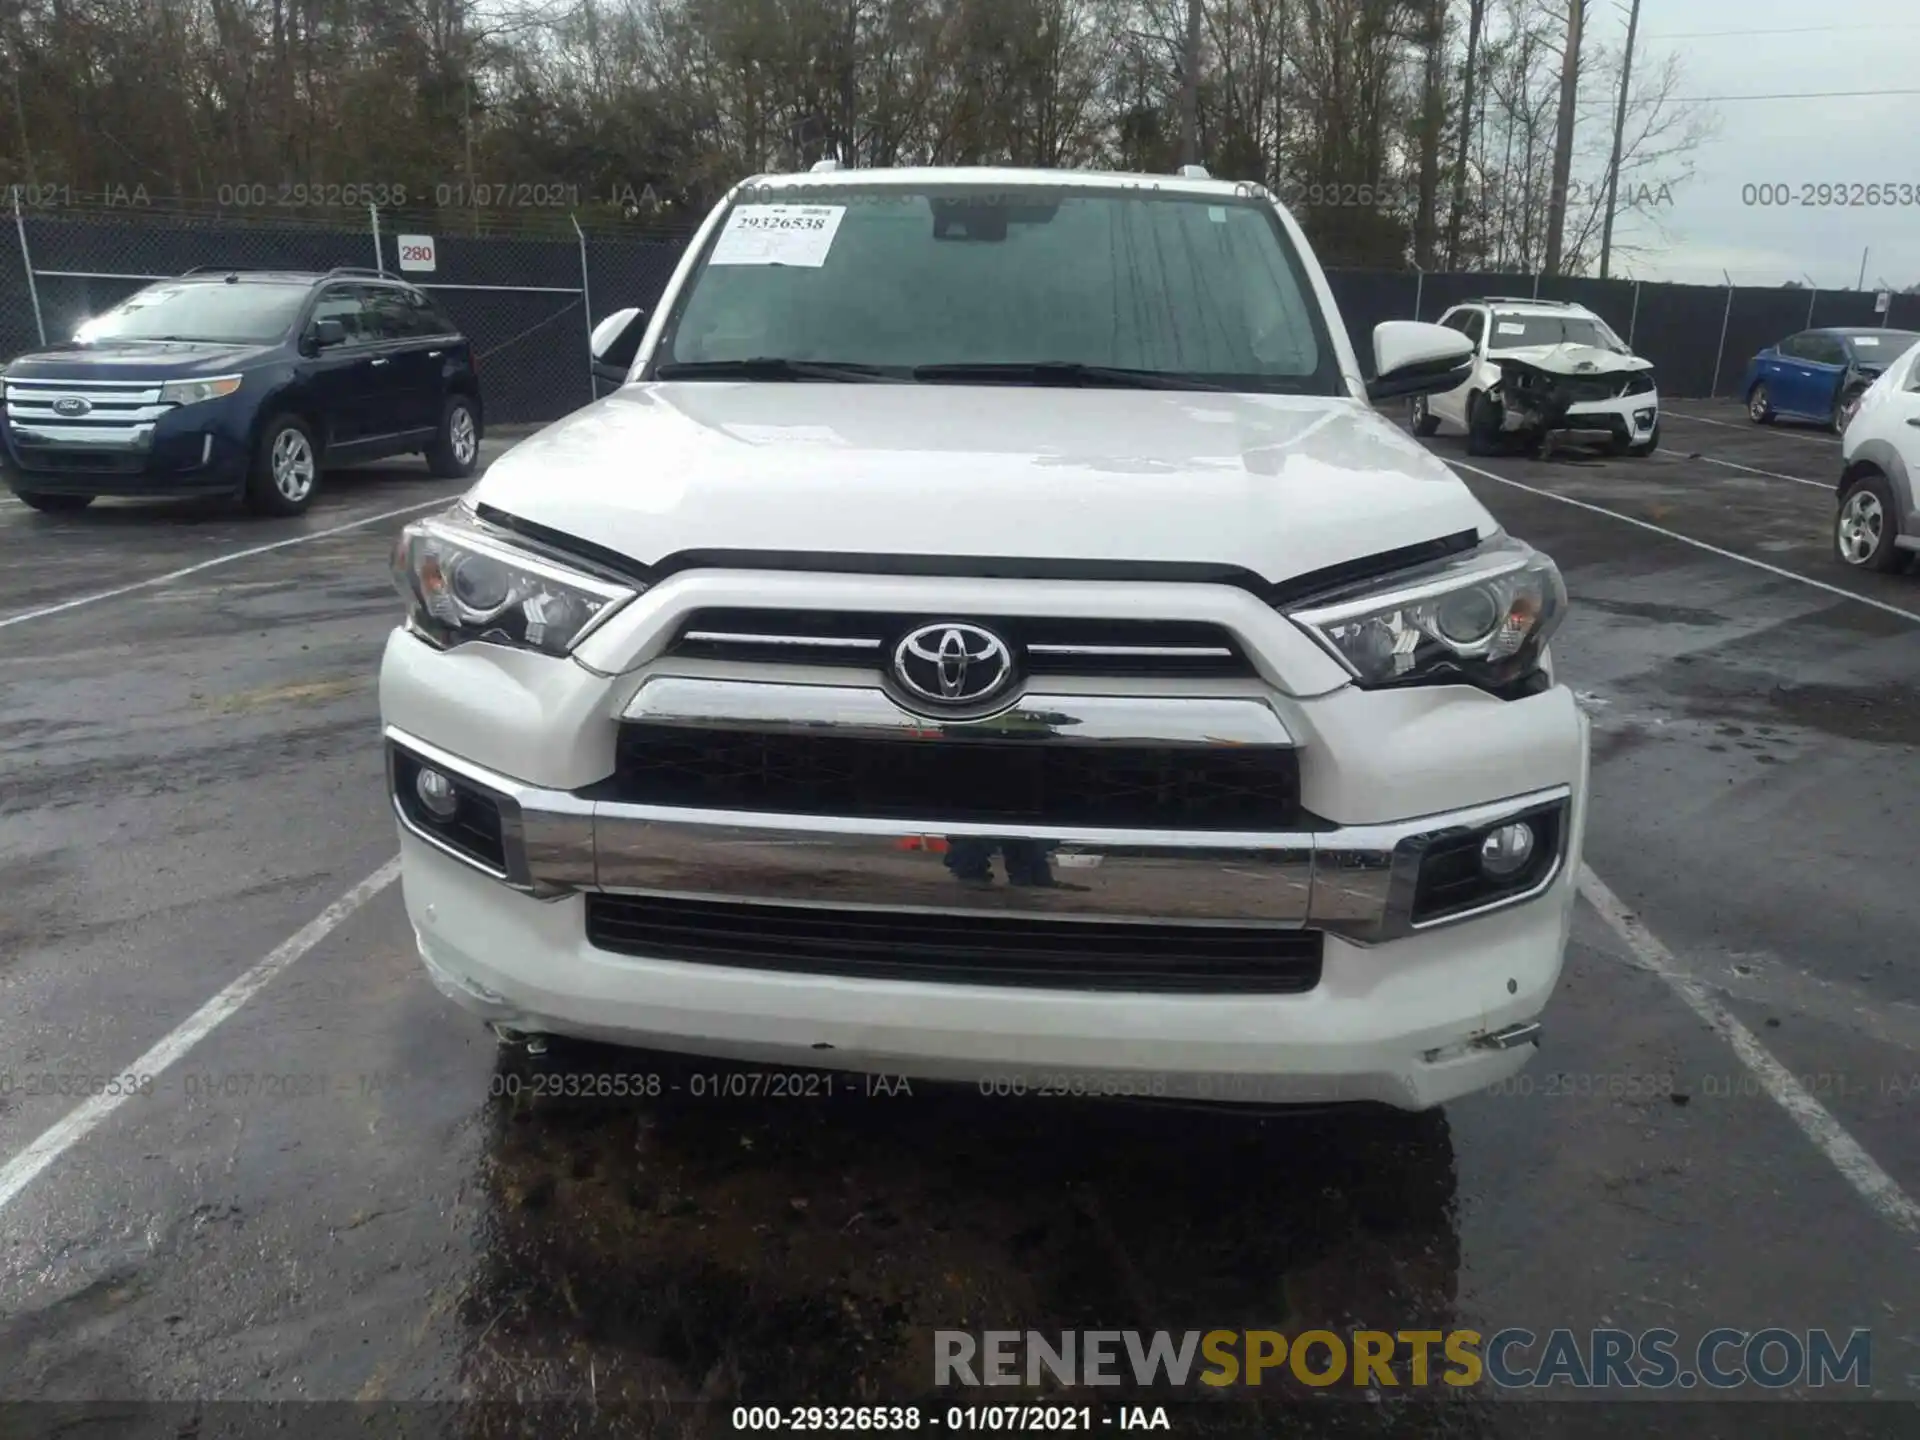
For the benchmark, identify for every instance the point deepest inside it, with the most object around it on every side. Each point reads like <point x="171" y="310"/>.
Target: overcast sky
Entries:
<point x="1838" y="45"/>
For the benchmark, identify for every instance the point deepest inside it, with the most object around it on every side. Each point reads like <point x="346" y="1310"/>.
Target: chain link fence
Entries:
<point x="521" y="299"/>
<point x="527" y="295"/>
<point x="1699" y="337"/>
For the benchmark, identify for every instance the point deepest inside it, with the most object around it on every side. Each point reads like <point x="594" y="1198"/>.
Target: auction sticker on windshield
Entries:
<point x="778" y="235"/>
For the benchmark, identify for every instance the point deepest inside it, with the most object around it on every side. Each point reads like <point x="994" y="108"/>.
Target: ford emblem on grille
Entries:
<point x="71" y="405"/>
<point x="952" y="663"/>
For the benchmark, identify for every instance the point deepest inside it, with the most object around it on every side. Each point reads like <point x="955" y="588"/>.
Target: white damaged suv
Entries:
<point x="989" y="635"/>
<point x="1542" y="369"/>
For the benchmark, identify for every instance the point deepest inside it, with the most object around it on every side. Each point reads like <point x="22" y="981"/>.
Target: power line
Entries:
<point x="1743" y="34"/>
<point x="1791" y="95"/>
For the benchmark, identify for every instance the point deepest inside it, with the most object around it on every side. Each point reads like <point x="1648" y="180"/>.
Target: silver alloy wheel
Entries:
<point x="460" y="435"/>
<point x="1862" y="522"/>
<point x="1757" y="403"/>
<point x="293" y="466"/>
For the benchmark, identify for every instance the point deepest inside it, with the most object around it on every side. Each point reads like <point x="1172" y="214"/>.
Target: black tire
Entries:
<point x="1424" y="422"/>
<point x="1760" y="405"/>
<point x="456" y="448"/>
<point x="1843" y="406"/>
<point x="1648" y="446"/>
<point x="1483" y="426"/>
<point x="53" y="504"/>
<point x="1867" y="525"/>
<point x="285" y="452"/>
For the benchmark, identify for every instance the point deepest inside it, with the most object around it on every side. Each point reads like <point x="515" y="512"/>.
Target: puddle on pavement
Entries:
<point x="644" y="1252"/>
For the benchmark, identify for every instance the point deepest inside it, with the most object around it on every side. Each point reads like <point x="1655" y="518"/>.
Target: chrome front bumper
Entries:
<point x="1354" y="881"/>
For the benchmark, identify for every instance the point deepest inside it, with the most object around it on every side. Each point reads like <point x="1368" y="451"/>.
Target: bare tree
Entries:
<point x="1430" y="17"/>
<point x="1398" y="129"/>
<point x="1469" y="78"/>
<point x="1563" y="136"/>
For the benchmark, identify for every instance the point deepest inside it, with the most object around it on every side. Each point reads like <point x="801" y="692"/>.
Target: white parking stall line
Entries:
<point x="21" y="1171"/>
<point x="1783" y="573"/>
<point x="1859" y="1169"/>
<point x="1831" y="487"/>
<point x="218" y="560"/>
<point x="1830" y="441"/>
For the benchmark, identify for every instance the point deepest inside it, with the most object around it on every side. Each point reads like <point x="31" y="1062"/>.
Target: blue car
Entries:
<point x="243" y="384"/>
<point x="1820" y="375"/>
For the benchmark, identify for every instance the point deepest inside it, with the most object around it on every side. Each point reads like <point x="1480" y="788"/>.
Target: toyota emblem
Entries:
<point x="952" y="663"/>
<point x="71" y="405"/>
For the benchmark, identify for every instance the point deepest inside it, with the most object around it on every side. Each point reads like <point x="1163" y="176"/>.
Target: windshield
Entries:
<point x="1201" y="288"/>
<point x="198" y="310"/>
<point x="1511" y="331"/>
<point x="1881" y="347"/>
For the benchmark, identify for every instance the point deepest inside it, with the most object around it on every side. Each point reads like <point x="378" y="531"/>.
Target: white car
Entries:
<point x="991" y="637"/>
<point x="1544" y="368"/>
<point x="1877" y="526"/>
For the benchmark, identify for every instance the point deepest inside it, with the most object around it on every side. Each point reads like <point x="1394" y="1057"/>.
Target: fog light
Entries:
<point x="436" y="792"/>
<point x="1643" y="418"/>
<point x="1505" y="851"/>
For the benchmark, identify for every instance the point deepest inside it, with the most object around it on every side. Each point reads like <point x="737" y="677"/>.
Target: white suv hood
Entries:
<point x="1571" y="359"/>
<point x="1277" y="485"/>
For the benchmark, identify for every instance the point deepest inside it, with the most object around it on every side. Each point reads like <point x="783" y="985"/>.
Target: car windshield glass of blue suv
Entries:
<point x="215" y="311"/>
<point x="1879" y="347"/>
<point x="1168" y="286"/>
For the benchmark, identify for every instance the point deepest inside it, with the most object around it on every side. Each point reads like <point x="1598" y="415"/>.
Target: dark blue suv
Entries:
<point x="241" y="383"/>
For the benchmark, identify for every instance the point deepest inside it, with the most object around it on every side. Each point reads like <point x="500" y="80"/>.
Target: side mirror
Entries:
<point x="1414" y="358"/>
<point x="614" y="343"/>
<point x="326" y="333"/>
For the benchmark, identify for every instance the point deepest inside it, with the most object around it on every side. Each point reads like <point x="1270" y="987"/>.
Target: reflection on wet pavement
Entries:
<point x="652" y="1250"/>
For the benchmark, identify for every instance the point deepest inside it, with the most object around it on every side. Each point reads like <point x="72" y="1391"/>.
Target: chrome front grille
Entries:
<point x="118" y="414"/>
<point x="1041" y="646"/>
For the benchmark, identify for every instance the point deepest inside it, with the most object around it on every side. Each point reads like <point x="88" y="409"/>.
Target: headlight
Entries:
<point x="192" y="392"/>
<point x="1482" y="618"/>
<point x="463" y="582"/>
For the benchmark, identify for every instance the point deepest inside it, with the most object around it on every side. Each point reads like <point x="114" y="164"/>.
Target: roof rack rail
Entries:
<point x="283" y="269"/>
<point x="1518" y="300"/>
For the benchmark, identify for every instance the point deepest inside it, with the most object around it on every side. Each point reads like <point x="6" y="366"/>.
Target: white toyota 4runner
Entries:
<point x="989" y="635"/>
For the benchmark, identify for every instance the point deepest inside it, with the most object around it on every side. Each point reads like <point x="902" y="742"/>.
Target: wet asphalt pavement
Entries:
<point x="330" y="1196"/>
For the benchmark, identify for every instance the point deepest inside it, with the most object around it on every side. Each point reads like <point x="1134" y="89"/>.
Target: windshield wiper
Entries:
<point x="768" y="367"/>
<point x="1063" y="372"/>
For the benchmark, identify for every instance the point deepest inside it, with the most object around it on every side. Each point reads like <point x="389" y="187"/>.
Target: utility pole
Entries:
<point x="1563" y="141"/>
<point x="1190" y="89"/>
<point x="1863" y="268"/>
<point x="1619" y="134"/>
